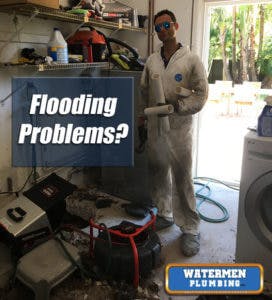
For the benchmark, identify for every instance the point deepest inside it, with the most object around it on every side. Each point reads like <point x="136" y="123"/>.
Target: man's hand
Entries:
<point x="141" y="121"/>
<point x="176" y="104"/>
<point x="142" y="133"/>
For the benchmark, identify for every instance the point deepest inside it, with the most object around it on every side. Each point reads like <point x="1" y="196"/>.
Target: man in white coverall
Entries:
<point x="170" y="155"/>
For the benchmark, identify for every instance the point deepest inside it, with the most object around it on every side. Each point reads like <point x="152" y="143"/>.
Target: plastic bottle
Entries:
<point x="135" y="21"/>
<point x="265" y="119"/>
<point x="57" y="47"/>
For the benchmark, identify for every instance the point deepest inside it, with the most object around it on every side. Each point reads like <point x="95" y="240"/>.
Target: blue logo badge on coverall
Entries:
<point x="178" y="77"/>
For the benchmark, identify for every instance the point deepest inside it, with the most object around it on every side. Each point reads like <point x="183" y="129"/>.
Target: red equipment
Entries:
<point x="120" y="236"/>
<point x="87" y="42"/>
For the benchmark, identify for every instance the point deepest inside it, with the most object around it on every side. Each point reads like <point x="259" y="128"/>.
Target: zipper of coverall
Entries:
<point x="172" y="59"/>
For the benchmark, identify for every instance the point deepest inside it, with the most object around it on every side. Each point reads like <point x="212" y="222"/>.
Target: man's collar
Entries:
<point x="163" y="57"/>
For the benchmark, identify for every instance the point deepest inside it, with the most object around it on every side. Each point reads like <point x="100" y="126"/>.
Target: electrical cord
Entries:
<point x="18" y="191"/>
<point x="18" y="30"/>
<point x="85" y="273"/>
<point x="206" y="198"/>
<point x="2" y="101"/>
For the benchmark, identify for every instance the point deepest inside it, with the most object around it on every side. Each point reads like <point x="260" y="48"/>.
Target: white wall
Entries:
<point x="182" y="10"/>
<point x="137" y="40"/>
<point x="35" y="34"/>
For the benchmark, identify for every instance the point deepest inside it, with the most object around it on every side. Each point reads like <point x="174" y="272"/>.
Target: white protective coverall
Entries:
<point x="170" y="156"/>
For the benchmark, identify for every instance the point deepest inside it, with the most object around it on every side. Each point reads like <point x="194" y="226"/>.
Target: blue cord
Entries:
<point x="204" y="198"/>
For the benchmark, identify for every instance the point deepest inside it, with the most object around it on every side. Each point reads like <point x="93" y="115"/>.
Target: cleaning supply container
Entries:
<point x="57" y="47"/>
<point x="265" y="119"/>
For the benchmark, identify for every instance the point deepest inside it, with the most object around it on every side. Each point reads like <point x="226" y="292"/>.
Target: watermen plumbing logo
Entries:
<point x="214" y="279"/>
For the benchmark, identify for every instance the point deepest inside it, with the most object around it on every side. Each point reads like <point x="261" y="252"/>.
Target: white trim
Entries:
<point x="197" y="46"/>
<point x="197" y="28"/>
<point x="206" y="36"/>
<point x="234" y="2"/>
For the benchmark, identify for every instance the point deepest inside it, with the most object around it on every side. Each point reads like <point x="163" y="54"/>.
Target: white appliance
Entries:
<point x="254" y="232"/>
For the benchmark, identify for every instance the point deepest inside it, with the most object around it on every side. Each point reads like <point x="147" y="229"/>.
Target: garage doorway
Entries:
<point x="239" y="33"/>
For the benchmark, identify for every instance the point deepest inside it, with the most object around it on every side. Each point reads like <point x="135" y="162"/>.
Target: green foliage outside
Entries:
<point x="253" y="44"/>
<point x="265" y="59"/>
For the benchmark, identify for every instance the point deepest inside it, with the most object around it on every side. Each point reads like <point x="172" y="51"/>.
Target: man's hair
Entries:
<point x="165" y="12"/>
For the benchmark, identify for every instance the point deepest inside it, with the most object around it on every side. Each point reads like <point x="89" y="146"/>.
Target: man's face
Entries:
<point x="166" y="34"/>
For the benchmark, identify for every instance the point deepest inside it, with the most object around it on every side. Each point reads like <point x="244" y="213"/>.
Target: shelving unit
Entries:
<point x="37" y="11"/>
<point x="54" y="14"/>
<point x="102" y="65"/>
<point x="52" y="67"/>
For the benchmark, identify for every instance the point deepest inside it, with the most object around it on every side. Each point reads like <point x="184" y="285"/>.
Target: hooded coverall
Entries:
<point x="170" y="156"/>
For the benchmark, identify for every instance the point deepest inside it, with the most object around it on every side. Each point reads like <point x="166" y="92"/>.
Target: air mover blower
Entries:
<point x="91" y="44"/>
<point x="126" y="251"/>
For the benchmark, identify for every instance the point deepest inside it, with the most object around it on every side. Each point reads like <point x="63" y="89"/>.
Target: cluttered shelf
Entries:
<point x="102" y="65"/>
<point x="55" y="14"/>
<point x="46" y="67"/>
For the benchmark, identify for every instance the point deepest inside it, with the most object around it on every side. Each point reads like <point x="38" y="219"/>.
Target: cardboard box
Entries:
<point x="47" y="3"/>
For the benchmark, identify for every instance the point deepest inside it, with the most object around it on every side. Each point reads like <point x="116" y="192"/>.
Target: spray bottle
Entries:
<point x="57" y="47"/>
<point x="265" y="119"/>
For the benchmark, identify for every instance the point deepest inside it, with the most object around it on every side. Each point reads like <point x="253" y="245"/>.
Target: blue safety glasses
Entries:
<point x="166" y="25"/>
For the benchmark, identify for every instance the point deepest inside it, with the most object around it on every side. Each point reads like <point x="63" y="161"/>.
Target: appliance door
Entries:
<point x="258" y="209"/>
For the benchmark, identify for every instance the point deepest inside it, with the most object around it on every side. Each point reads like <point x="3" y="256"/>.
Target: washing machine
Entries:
<point x="254" y="231"/>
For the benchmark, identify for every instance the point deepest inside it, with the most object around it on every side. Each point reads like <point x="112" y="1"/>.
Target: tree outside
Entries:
<point x="241" y="38"/>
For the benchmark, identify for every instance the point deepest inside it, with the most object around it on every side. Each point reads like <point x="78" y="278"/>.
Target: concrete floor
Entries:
<point x="218" y="240"/>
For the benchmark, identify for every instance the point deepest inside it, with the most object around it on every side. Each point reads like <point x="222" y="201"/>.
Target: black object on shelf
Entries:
<point x="141" y="20"/>
<point x="132" y="61"/>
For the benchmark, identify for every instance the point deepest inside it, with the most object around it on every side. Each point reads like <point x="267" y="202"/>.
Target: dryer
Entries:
<point x="254" y="231"/>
